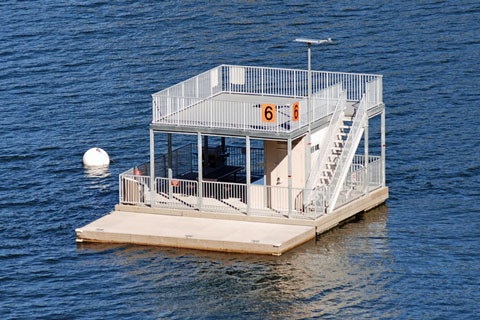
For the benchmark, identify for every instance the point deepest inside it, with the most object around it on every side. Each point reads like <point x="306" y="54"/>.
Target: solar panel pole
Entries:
<point x="309" y="42"/>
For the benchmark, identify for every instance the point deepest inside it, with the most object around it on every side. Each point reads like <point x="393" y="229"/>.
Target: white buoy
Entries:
<point x="96" y="157"/>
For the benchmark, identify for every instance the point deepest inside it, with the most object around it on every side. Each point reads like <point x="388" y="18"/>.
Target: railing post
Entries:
<point x="230" y="79"/>
<point x="200" y="171"/>
<point x="152" y="169"/>
<point x="294" y="83"/>
<point x="211" y="113"/>
<point x="247" y="155"/>
<point x="289" y="150"/>
<point x="154" y="110"/>
<point x="262" y="81"/>
<point x="120" y="189"/>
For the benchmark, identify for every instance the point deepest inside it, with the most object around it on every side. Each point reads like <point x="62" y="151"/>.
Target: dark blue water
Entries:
<point x="78" y="74"/>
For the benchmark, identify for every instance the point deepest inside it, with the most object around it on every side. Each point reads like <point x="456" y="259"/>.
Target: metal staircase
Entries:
<point x="345" y="155"/>
<point x="333" y="154"/>
<point x="332" y="162"/>
<point x="321" y="157"/>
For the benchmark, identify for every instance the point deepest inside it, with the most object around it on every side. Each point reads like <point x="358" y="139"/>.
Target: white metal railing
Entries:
<point x="356" y="183"/>
<point x="134" y="189"/>
<point x="374" y="92"/>
<point x="229" y="114"/>
<point x="176" y="105"/>
<point x="347" y="154"/>
<point x="224" y="197"/>
<point x="290" y="82"/>
<point x="375" y="172"/>
<point x="264" y="81"/>
<point x="273" y="201"/>
<point x="228" y="197"/>
<point x="193" y="90"/>
<point x="176" y="193"/>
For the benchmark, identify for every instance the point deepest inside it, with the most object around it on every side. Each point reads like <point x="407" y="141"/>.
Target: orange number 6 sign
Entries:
<point x="296" y="111"/>
<point x="269" y="112"/>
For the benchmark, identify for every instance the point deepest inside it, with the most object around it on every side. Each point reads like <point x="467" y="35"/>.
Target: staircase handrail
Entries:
<point x="347" y="154"/>
<point x="313" y="180"/>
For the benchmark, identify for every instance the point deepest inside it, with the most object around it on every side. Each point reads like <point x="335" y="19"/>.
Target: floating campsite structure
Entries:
<point x="294" y="169"/>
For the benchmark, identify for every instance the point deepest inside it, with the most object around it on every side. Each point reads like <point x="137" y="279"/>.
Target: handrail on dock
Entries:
<point x="228" y="197"/>
<point x="199" y="92"/>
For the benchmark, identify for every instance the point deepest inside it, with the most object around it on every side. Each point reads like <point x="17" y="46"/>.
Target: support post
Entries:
<point x="200" y="171"/>
<point x="383" y="145"/>
<point x="152" y="169"/>
<point x="170" y="173"/>
<point x="247" y="155"/>
<point x="265" y="192"/>
<point x="365" y="145"/>
<point x="205" y="153"/>
<point x="224" y="148"/>
<point x="308" y="155"/>
<point x="289" y="150"/>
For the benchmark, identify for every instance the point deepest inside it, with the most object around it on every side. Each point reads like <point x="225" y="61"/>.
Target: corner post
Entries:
<point x="152" y="169"/>
<point x="289" y="150"/>
<point x="247" y="155"/>
<point x="365" y="144"/>
<point x="200" y="171"/>
<point x="383" y="145"/>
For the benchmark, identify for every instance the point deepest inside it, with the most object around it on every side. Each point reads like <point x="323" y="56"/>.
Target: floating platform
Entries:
<point x="216" y="231"/>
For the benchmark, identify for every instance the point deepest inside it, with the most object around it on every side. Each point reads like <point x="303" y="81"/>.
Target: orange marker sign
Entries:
<point x="296" y="111"/>
<point x="269" y="112"/>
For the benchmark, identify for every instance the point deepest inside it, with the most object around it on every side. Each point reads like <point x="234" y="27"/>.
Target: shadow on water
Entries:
<point x="342" y="268"/>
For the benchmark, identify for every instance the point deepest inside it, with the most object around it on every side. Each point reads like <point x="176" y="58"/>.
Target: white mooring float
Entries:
<point x="96" y="157"/>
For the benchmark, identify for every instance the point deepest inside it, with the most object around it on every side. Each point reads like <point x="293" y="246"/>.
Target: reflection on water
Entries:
<point x="98" y="178"/>
<point x="97" y="172"/>
<point x="344" y="268"/>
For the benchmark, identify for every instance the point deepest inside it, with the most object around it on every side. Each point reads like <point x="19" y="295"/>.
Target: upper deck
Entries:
<point x="259" y="102"/>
